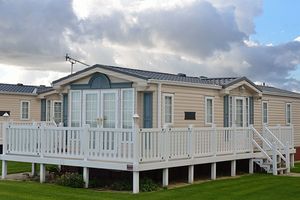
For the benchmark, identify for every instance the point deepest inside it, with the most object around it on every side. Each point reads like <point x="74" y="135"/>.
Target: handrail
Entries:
<point x="277" y="140"/>
<point x="261" y="137"/>
<point x="261" y="149"/>
<point x="274" y="137"/>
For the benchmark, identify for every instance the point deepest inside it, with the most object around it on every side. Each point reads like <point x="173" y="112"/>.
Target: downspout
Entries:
<point x="159" y="105"/>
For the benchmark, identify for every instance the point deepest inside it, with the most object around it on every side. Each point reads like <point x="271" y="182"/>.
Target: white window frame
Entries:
<point x="172" y="109"/>
<point x="108" y="91"/>
<point x="212" y="112"/>
<point x="61" y="111"/>
<point x="262" y="112"/>
<point x="21" y="110"/>
<point x="286" y="116"/>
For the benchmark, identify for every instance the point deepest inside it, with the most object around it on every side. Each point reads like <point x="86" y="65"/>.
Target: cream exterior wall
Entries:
<point x="12" y="103"/>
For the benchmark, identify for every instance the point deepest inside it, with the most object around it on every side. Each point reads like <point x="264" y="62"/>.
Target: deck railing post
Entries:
<point x="85" y="141"/>
<point x="287" y="157"/>
<point x="274" y="159"/>
<point x="166" y="142"/>
<point x="43" y="138"/>
<point x="251" y="137"/>
<point x="135" y="138"/>
<point x="191" y="141"/>
<point x="4" y="137"/>
<point x="214" y="140"/>
<point x="234" y="139"/>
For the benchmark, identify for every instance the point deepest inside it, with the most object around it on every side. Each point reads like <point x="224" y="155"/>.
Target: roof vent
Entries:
<point x="203" y="77"/>
<point x="42" y="85"/>
<point x="181" y="74"/>
<point x="19" y="84"/>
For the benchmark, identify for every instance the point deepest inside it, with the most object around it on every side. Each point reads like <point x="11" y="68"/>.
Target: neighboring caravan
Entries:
<point x="26" y="104"/>
<point x="136" y="120"/>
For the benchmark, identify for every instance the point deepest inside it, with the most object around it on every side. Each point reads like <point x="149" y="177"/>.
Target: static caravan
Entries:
<point x="136" y="120"/>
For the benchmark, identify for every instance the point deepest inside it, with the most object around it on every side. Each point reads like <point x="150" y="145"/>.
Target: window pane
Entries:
<point x="239" y="112"/>
<point x="209" y="117"/>
<point x="168" y="109"/>
<point x="25" y="110"/>
<point x="127" y="108"/>
<point x="109" y="110"/>
<point x="265" y="112"/>
<point x="91" y="107"/>
<point x="75" y="109"/>
<point x="288" y="113"/>
<point x="57" y="112"/>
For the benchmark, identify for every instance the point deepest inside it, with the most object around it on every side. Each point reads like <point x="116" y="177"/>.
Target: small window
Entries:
<point x="25" y="107"/>
<point x="209" y="110"/>
<point x="127" y="108"/>
<point x="57" y="111"/>
<point x="288" y="111"/>
<point x="168" y="108"/>
<point x="189" y="115"/>
<point x="265" y="111"/>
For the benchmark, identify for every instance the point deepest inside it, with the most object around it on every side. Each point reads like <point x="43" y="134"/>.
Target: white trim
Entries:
<point x="21" y="109"/>
<point x="212" y="112"/>
<point x="286" y="117"/>
<point x="159" y="85"/>
<point x="188" y="84"/>
<point x="172" y="109"/>
<point x="262" y="112"/>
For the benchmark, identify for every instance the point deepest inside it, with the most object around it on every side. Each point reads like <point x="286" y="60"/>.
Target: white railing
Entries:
<point x="184" y="143"/>
<point x="70" y="143"/>
<point x="283" y="135"/>
<point x="25" y="123"/>
<point x="128" y="145"/>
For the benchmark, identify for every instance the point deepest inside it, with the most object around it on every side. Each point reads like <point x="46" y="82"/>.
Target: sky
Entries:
<point x="215" y="38"/>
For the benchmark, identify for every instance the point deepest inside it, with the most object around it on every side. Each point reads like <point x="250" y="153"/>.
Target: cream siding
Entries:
<point x="12" y="103"/>
<point x="192" y="99"/>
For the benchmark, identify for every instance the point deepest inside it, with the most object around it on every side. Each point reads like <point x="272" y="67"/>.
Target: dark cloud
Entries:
<point x="32" y="32"/>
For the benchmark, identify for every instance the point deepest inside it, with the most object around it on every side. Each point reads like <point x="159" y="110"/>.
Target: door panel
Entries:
<point x="91" y="108"/>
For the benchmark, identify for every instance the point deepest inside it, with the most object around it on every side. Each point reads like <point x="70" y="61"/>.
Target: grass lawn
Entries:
<point x="296" y="169"/>
<point x="17" y="167"/>
<point x="246" y="187"/>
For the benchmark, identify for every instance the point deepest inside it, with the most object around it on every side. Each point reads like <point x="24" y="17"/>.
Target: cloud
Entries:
<point x="196" y="37"/>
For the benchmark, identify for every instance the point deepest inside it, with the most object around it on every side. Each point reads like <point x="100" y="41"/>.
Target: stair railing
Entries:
<point x="277" y="142"/>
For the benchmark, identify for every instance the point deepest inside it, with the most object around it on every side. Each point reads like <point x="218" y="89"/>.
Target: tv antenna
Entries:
<point x="74" y="61"/>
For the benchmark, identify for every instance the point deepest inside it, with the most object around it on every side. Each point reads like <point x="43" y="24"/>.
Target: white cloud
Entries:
<point x="201" y="37"/>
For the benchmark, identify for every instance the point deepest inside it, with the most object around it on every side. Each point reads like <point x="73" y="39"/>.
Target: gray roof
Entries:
<point x="278" y="91"/>
<point x="144" y="74"/>
<point x="24" y="89"/>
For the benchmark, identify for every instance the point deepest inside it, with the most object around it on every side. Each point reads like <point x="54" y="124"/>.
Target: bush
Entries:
<point x="121" y="185"/>
<point x="73" y="180"/>
<point x="148" y="185"/>
<point x="53" y="169"/>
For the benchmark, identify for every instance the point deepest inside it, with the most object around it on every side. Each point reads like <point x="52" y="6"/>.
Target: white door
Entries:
<point x="91" y="108"/>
